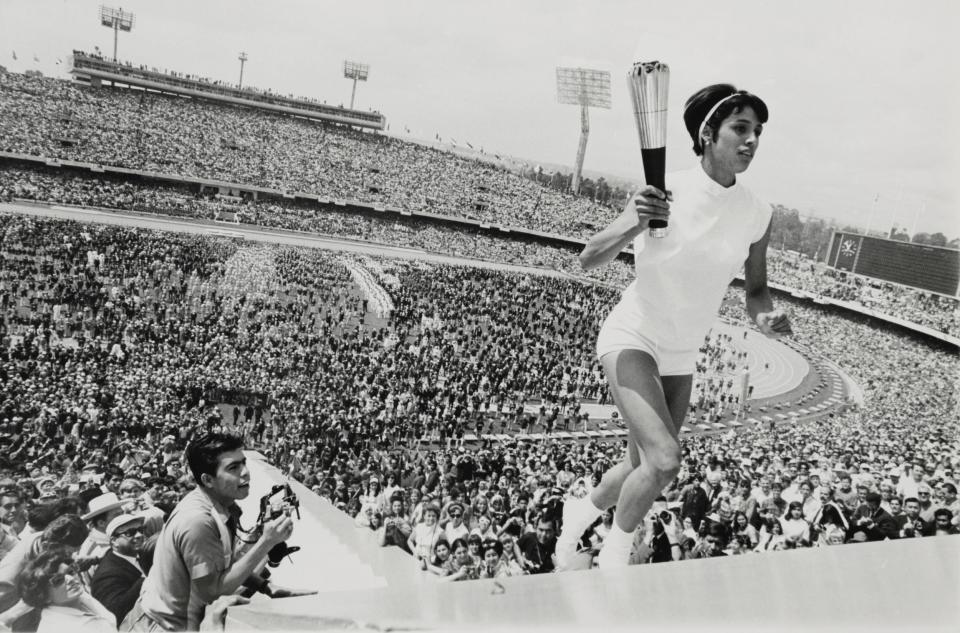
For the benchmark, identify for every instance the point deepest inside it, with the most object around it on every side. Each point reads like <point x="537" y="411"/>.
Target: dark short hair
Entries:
<point x="700" y="103"/>
<point x="34" y="581"/>
<point x="40" y="516"/>
<point x="943" y="512"/>
<point x="204" y="451"/>
<point x="493" y="544"/>
<point x="67" y="529"/>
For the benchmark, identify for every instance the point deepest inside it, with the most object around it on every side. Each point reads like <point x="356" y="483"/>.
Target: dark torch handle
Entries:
<point x="654" y="167"/>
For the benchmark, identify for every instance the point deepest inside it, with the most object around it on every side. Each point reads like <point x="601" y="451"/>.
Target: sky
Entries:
<point x="863" y="94"/>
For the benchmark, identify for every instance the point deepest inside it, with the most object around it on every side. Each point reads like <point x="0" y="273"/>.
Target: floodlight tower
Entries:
<point x="243" y="59"/>
<point x="588" y="89"/>
<point x="357" y="72"/>
<point x="118" y="20"/>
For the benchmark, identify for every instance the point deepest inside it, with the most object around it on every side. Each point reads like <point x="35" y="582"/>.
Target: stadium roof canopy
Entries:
<point x="94" y="69"/>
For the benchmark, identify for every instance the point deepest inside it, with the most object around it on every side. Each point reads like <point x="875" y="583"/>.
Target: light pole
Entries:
<point x="118" y="20"/>
<point x="243" y="58"/>
<point x="357" y="72"/>
<point x="586" y="88"/>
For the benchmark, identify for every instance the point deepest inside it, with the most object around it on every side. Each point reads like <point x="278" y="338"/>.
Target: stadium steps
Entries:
<point x="317" y="533"/>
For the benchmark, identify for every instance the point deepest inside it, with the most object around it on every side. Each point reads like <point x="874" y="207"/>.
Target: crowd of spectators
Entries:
<point x="113" y="340"/>
<point x="932" y="310"/>
<point x="187" y="137"/>
<point x="46" y="184"/>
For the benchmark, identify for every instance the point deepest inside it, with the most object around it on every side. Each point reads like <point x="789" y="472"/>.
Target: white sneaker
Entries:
<point x="578" y="514"/>
<point x="613" y="557"/>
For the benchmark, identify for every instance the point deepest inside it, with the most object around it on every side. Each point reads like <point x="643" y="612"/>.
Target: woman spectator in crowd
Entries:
<point x="796" y="529"/>
<point x="742" y="527"/>
<point x="475" y="547"/>
<point x="440" y="562"/>
<point x="511" y="552"/>
<point x="494" y="565"/>
<point x="479" y="508"/>
<point x="688" y="530"/>
<point x="396" y="530"/>
<point x="484" y="529"/>
<point x="772" y="537"/>
<point x="424" y="537"/>
<point x="461" y="564"/>
<point x="373" y="494"/>
<point x="51" y="583"/>
<point x="415" y="506"/>
<point x="455" y="529"/>
<point x="391" y="487"/>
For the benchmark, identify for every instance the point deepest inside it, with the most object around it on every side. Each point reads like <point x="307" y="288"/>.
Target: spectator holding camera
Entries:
<point x="910" y="523"/>
<point x="196" y="559"/>
<point x="873" y="521"/>
<point x="396" y="529"/>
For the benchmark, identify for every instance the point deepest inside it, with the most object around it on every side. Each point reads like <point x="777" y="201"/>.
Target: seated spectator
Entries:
<point x="117" y="580"/>
<point x="440" y="564"/>
<point x="910" y="523"/>
<point x="943" y="523"/>
<point x="103" y="509"/>
<point x="461" y="565"/>
<point x="424" y="536"/>
<point x="537" y="548"/>
<point x="396" y="530"/>
<point x="873" y="521"/>
<point x="66" y="532"/>
<point x="771" y="537"/>
<point x="51" y="583"/>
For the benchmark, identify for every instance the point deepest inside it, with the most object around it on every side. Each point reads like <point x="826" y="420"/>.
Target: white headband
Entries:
<point x="710" y="114"/>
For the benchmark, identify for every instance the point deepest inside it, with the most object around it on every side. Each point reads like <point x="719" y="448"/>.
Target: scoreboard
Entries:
<point x="919" y="265"/>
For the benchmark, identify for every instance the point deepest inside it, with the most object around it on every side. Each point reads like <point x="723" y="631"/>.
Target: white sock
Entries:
<point x="616" y="548"/>
<point x="580" y="515"/>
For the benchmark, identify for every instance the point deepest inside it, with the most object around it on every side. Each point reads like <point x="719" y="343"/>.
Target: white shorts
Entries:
<point x="626" y="328"/>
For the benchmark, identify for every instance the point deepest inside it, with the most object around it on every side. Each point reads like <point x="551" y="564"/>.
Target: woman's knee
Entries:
<point x="665" y="462"/>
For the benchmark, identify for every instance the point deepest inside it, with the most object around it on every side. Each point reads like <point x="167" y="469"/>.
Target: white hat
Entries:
<point x="121" y="521"/>
<point x="103" y="503"/>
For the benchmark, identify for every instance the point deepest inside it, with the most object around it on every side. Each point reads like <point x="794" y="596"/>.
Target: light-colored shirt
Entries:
<point x="94" y="619"/>
<point x="710" y="231"/>
<point x="191" y="545"/>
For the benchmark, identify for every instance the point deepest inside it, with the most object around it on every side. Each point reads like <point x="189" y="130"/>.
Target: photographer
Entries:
<point x="875" y="522"/>
<point x="396" y="530"/>
<point x="910" y="523"/>
<point x="195" y="561"/>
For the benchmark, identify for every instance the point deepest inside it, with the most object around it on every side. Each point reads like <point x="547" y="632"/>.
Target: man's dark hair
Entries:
<point x="943" y="512"/>
<point x="699" y="104"/>
<point x="68" y="505"/>
<point x="40" y="516"/>
<point x="203" y="452"/>
<point x="67" y="529"/>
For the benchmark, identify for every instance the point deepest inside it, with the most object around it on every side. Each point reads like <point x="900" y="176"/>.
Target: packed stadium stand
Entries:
<point x="412" y="398"/>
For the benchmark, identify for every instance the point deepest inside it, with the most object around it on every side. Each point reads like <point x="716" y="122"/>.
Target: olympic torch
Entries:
<point x="648" y="84"/>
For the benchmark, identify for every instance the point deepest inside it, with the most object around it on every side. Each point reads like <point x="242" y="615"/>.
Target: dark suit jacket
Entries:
<point x="116" y="584"/>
